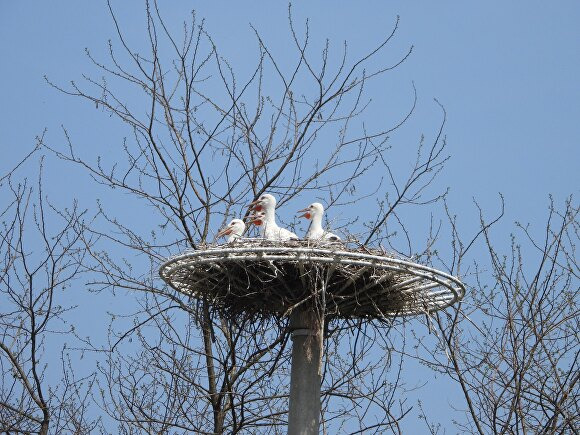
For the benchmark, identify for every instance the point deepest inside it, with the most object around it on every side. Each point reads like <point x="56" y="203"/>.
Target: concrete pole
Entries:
<point x="304" y="414"/>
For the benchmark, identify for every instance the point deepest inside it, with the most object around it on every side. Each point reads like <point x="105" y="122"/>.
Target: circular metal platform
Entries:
<point x="273" y="278"/>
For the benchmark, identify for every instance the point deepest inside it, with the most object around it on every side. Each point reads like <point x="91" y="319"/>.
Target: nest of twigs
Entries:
<point x="265" y="278"/>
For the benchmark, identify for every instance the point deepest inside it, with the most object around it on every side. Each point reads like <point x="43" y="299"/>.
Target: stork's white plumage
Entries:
<point x="265" y="203"/>
<point x="234" y="230"/>
<point x="268" y="227"/>
<point x="314" y="213"/>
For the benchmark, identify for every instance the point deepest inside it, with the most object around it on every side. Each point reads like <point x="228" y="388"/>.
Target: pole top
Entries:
<point x="260" y="277"/>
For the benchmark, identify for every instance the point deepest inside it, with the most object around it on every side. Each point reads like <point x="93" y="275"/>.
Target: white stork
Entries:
<point x="266" y="220"/>
<point x="314" y="213"/>
<point x="234" y="230"/>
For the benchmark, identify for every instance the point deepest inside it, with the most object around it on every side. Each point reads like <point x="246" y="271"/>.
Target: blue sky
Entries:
<point x="506" y="72"/>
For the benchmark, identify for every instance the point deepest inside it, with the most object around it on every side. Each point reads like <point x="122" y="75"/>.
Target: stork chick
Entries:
<point x="265" y="206"/>
<point x="234" y="230"/>
<point x="266" y="203"/>
<point x="269" y="229"/>
<point x="314" y="212"/>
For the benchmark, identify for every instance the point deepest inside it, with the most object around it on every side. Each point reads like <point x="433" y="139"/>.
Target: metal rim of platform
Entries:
<point x="432" y="289"/>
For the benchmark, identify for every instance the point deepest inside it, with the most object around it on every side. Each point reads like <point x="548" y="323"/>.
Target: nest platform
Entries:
<point x="256" y="276"/>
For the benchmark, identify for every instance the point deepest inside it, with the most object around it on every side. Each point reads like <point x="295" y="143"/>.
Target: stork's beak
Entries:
<point x="255" y="205"/>
<point x="255" y="220"/>
<point x="224" y="232"/>
<point x="306" y="212"/>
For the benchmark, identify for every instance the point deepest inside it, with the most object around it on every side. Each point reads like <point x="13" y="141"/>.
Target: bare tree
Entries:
<point x="513" y="345"/>
<point x="41" y="256"/>
<point x="206" y="144"/>
<point x="203" y="141"/>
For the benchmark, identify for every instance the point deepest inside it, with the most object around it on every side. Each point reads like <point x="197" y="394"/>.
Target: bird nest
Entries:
<point x="266" y="278"/>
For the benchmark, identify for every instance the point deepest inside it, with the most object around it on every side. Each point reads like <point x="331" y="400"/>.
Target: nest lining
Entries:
<point x="265" y="278"/>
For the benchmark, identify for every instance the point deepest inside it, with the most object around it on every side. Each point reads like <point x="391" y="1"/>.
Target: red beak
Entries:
<point x="224" y="232"/>
<point x="253" y="219"/>
<point x="306" y="215"/>
<point x="255" y="205"/>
